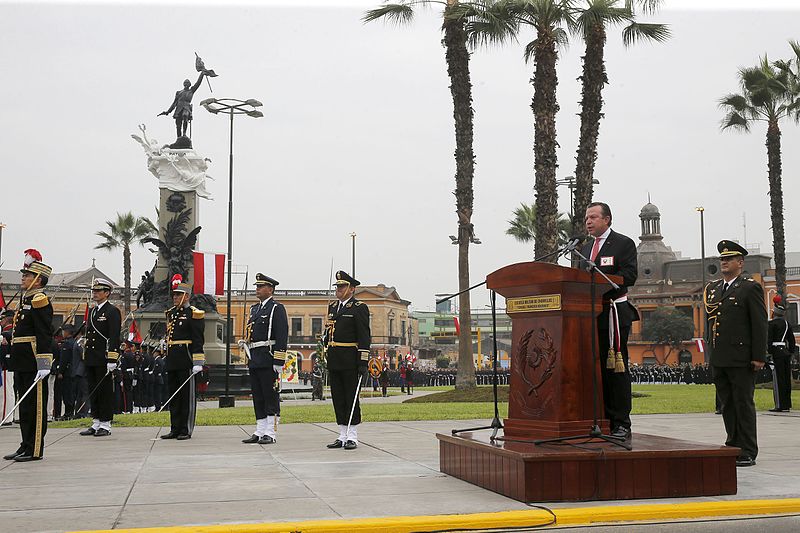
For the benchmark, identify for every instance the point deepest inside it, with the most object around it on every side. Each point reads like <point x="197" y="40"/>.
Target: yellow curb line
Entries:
<point x="503" y="519"/>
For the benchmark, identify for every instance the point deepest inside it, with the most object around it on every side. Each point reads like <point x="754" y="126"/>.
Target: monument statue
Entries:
<point x="182" y="104"/>
<point x="178" y="170"/>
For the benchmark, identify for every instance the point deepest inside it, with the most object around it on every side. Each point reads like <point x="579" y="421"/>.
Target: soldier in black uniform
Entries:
<point x="185" y="358"/>
<point x="316" y="382"/>
<point x="614" y="254"/>
<point x="32" y="356"/>
<point x="348" y="340"/>
<point x="737" y="341"/>
<point x="100" y="356"/>
<point x="781" y="348"/>
<point x="265" y="344"/>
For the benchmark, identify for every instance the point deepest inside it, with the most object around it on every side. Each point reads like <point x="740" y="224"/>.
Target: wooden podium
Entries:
<point x="552" y="362"/>
<point x="552" y="395"/>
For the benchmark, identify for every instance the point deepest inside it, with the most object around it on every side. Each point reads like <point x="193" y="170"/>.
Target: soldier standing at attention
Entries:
<point x="781" y="348"/>
<point x="737" y="330"/>
<point x="267" y="336"/>
<point x="348" y="340"/>
<point x="185" y="358"/>
<point x="100" y="356"/>
<point x="32" y="356"/>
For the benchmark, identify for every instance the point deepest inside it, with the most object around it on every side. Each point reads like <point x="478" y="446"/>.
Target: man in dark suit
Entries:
<point x="100" y="356"/>
<point x="185" y="358"/>
<point x="781" y="348"/>
<point x="267" y="336"/>
<point x="348" y="340"/>
<point x="737" y="341"/>
<point x="32" y="356"/>
<point x="614" y="254"/>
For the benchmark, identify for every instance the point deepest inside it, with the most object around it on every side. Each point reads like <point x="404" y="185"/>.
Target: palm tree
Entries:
<point x="523" y="225"/>
<point x="591" y="23"/>
<point x="457" y="58"/>
<point x="124" y="231"/>
<point x="766" y="96"/>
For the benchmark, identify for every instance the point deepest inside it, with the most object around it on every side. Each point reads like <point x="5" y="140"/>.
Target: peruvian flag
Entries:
<point x="133" y="333"/>
<point x="2" y="298"/>
<point x="458" y="326"/>
<point x="209" y="273"/>
<point x="701" y="345"/>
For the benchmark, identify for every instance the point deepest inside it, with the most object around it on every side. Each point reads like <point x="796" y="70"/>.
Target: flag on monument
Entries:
<point x="133" y="333"/>
<point x="209" y="273"/>
<point x="2" y="298"/>
<point x="458" y="326"/>
<point x="701" y="345"/>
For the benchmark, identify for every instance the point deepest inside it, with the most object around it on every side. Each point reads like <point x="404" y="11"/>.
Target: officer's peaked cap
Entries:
<point x="261" y="279"/>
<point x="343" y="278"/>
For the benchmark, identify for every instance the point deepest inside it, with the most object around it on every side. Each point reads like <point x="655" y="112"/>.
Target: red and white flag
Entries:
<point x="458" y="326"/>
<point x="133" y="333"/>
<point x="209" y="273"/>
<point x="701" y="345"/>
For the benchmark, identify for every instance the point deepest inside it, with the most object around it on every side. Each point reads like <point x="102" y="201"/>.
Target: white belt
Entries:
<point x="623" y="298"/>
<point x="259" y="344"/>
<point x="779" y="344"/>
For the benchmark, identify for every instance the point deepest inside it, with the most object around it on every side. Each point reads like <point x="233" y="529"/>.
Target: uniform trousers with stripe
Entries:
<point x="32" y="413"/>
<point x="343" y="390"/>
<point x="182" y="408"/>
<point x="266" y="400"/>
<point x="102" y="400"/>
<point x="782" y="382"/>
<point x="616" y="385"/>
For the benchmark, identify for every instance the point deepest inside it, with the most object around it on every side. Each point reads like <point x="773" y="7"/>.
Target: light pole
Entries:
<point x="569" y="181"/>
<point x="230" y="106"/>
<point x="2" y="226"/>
<point x="353" y="235"/>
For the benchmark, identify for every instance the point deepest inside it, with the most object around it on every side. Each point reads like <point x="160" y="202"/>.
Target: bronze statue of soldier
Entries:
<point x="182" y="104"/>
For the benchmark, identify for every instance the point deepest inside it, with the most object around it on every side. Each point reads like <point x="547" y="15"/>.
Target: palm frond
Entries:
<point x="599" y="13"/>
<point x="486" y="22"/>
<point x="530" y="50"/>
<point x="647" y="6"/>
<point x="638" y="31"/>
<point x="735" y="121"/>
<point x="394" y="13"/>
<point x="737" y="102"/>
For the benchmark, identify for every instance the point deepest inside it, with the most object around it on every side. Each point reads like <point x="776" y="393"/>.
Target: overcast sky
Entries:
<point x="358" y="135"/>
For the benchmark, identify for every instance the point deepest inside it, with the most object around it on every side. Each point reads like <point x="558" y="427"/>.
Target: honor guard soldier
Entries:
<point x="781" y="348"/>
<point x="737" y="342"/>
<point x="348" y="340"/>
<point x="32" y="356"/>
<point x="265" y="345"/>
<point x="100" y="357"/>
<point x="185" y="358"/>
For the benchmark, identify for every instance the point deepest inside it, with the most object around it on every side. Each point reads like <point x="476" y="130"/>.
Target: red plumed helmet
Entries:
<point x="32" y="255"/>
<point x="176" y="279"/>
<point x="777" y="299"/>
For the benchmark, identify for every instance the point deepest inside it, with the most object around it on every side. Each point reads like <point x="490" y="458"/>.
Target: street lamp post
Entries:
<point x="230" y="106"/>
<point x="702" y="210"/>
<point x="569" y="182"/>
<point x="2" y="226"/>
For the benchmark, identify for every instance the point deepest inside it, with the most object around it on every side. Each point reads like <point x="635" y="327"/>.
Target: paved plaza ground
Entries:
<point x="134" y="479"/>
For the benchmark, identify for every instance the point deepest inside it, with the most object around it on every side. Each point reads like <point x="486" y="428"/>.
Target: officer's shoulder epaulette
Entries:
<point x="359" y="303"/>
<point x="333" y="304"/>
<point x="39" y="300"/>
<point x="197" y="313"/>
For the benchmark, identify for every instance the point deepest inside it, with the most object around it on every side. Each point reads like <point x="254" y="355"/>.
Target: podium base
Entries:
<point x="657" y="467"/>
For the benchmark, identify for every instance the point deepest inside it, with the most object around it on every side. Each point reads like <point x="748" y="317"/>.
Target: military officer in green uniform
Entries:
<point x="185" y="358"/>
<point x="32" y="356"/>
<point x="348" y="340"/>
<point x="737" y="340"/>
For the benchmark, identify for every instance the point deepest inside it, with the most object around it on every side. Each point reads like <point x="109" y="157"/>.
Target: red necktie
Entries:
<point x="595" y="249"/>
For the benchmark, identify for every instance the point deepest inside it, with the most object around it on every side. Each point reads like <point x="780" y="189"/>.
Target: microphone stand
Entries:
<point x="496" y="424"/>
<point x="594" y="432"/>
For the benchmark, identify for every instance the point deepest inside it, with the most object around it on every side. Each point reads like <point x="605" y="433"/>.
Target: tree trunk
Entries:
<point x="545" y="107"/>
<point x="593" y="79"/>
<point x="126" y="273"/>
<point x="457" y="56"/>
<point x="776" y="204"/>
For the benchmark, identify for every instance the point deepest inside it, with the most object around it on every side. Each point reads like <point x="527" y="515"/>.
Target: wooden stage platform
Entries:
<point x="583" y="470"/>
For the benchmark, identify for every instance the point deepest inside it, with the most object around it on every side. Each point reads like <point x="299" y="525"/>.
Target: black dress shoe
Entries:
<point x="88" y="431"/>
<point x="25" y="457"/>
<point x="266" y="439"/>
<point x="12" y="456"/>
<point x="183" y="437"/>
<point x="776" y="410"/>
<point x="102" y="432"/>
<point x="336" y="444"/>
<point x="169" y="435"/>
<point x="621" y="433"/>
<point x="350" y="445"/>
<point x="252" y="439"/>
<point x="745" y="461"/>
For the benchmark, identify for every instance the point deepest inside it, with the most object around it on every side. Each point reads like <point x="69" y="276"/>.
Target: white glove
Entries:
<point x="278" y="369"/>
<point x="110" y="367"/>
<point x="196" y="369"/>
<point x="42" y="374"/>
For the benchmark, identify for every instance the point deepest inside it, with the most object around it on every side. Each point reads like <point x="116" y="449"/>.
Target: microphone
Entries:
<point x="575" y="242"/>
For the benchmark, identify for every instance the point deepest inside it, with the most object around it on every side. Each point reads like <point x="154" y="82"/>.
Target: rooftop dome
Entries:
<point x="649" y="210"/>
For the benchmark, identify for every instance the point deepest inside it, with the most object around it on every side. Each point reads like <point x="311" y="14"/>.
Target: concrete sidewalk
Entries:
<point x="133" y="479"/>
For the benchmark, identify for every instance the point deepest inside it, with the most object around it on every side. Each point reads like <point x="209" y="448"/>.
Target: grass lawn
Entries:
<point x="446" y="405"/>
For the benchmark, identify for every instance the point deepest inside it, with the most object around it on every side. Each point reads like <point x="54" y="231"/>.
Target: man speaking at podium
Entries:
<point x="614" y="254"/>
